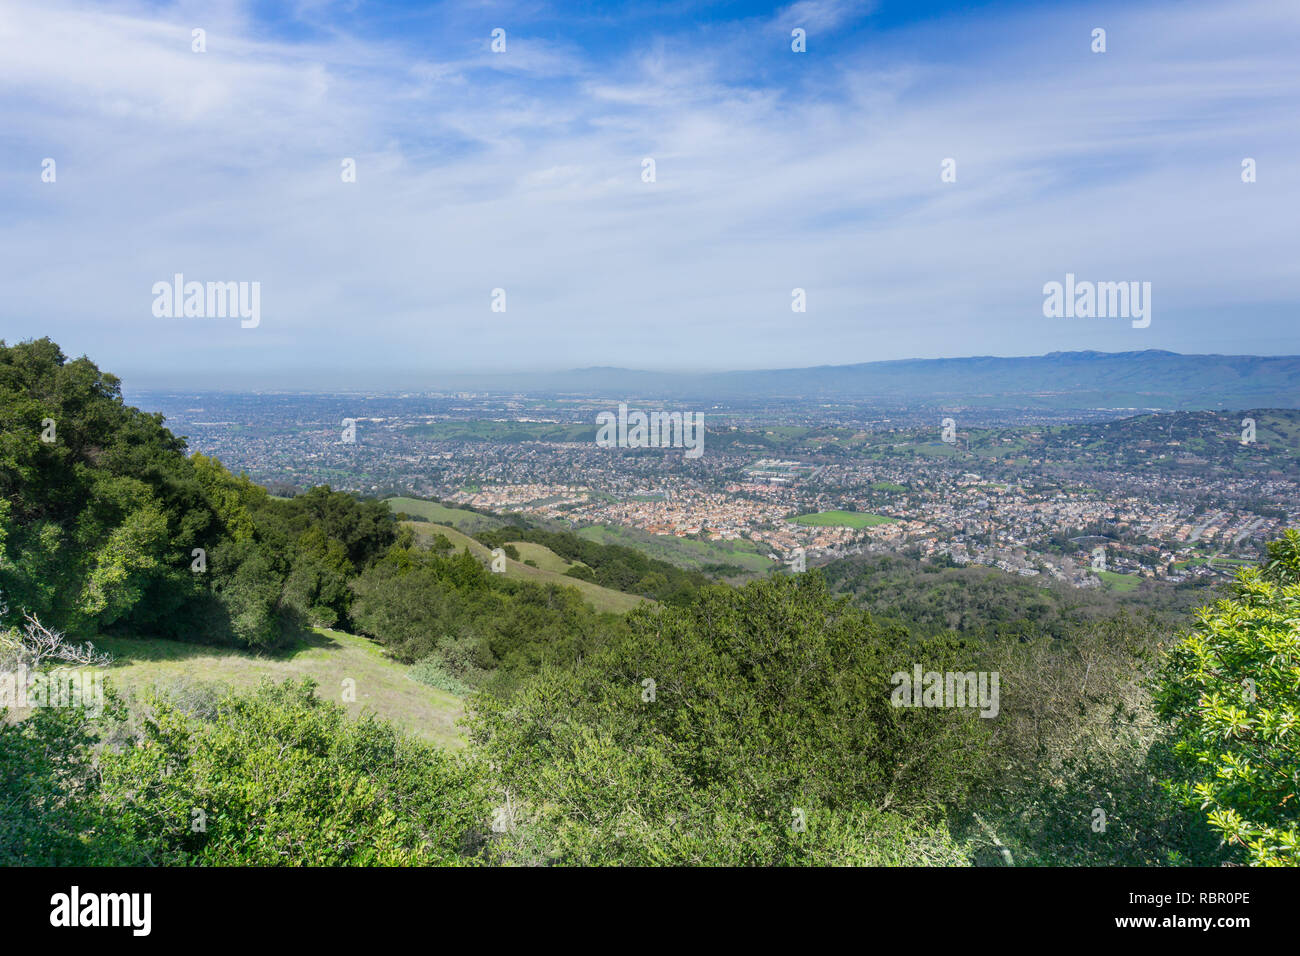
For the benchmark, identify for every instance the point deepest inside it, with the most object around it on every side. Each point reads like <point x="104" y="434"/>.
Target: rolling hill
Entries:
<point x="548" y="571"/>
<point x="470" y="522"/>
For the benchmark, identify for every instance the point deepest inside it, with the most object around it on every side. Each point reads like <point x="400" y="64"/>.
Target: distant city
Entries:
<point x="1100" y="498"/>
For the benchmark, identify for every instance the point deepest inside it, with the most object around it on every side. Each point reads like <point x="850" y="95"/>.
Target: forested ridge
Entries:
<point x="749" y="726"/>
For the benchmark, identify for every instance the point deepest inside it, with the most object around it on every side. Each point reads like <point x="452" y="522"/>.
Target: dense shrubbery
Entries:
<point x="276" y="777"/>
<point x="769" y="739"/>
<point x="1229" y="691"/>
<point x="99" y="527"/>
<point x="1079" y="752"/>
<point x="48" y="788"/>
<point x="477" y="628"/>
<point x="988" y="604"/>
<point x="754" y="727"/>
<point x="770" y="704"/>
<point x="1081" y="756"/>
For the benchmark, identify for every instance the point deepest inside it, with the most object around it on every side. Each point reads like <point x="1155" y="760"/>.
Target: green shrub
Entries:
<point x="1228" y="690"/>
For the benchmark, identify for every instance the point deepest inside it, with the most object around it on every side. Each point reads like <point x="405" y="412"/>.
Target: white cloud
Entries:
<point x="225" y="165"/>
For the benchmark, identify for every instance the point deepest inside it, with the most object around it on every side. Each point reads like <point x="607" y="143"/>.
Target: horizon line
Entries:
<point x="464" y="375"/>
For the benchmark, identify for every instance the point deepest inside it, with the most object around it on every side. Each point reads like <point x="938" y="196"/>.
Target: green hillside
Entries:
<point x="601" y="598"/>
<point x="327" y="657"/>
<point x="426" y="531"/>
<point x="687" y="553"/>
<point x="463" y="519"/>
<point x="542" y="556"/>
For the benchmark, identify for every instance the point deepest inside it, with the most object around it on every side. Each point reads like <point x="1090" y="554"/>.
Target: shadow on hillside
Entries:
<point x="127" y="650"/>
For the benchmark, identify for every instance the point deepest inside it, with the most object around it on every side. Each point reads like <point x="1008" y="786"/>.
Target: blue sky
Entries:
<point x="522" y="170"/>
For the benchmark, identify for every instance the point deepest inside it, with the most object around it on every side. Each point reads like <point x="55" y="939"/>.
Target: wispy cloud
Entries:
<point x="822" y="14"/>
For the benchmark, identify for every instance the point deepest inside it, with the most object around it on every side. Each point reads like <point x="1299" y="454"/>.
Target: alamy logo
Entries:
<point x="1247" y="431"/>
<point x="1098" y="300"/>
<point x="103" y="909"/>
<point x="656" y="430"/>
<point x="949" y="689"/>
<point x="22" y="688"/>
<point x="211" y="300"/>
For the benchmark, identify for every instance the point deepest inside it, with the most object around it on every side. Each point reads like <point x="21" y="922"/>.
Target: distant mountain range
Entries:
<point x="1152" y="379"/>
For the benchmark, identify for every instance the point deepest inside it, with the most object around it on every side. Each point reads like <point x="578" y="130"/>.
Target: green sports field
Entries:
<point x="841" y="519"/>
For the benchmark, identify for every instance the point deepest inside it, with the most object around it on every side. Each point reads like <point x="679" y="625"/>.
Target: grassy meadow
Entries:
<point x="328" y="657"/>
